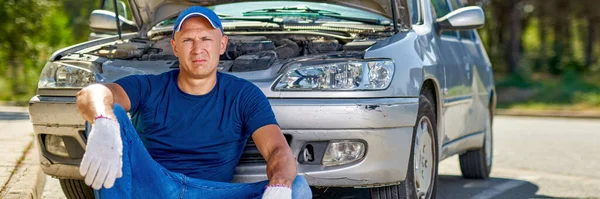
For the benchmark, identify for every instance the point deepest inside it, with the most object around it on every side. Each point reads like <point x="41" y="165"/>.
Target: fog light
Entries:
<point x="343" y="152"/>
<point x="55" y="146"/>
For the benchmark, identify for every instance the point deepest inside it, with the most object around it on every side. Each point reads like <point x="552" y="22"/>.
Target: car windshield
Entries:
<point x="292" y="12"/>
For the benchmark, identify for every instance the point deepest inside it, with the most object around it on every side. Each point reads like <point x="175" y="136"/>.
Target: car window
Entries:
<point x="123" y="7"/>
<point x="239" y="8"/>
<point x="442" y="8"/>
<point x="415" y="11"/>
<point x="293" y="12"/>
<point x="465" y="34"/>
<point x="455" y="4"/>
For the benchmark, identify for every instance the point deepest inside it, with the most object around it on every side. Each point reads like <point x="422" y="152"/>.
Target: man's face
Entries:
<point x="198" y="46"/>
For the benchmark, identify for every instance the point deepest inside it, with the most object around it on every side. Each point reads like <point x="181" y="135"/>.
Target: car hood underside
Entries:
<point x="148" y="13"/>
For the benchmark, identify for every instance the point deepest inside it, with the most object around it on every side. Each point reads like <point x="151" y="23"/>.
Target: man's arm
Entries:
<point x="98" y="99"/>
<point x="281" y="164"/>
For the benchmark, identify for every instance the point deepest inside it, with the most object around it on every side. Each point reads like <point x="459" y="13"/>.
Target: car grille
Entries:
<point x="251" y="155"/>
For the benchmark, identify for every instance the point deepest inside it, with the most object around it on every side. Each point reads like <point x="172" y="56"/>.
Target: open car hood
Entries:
<point x="148" y="13"/>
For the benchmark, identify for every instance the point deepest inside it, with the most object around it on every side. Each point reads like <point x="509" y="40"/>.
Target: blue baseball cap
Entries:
<point x="197" y="11"/>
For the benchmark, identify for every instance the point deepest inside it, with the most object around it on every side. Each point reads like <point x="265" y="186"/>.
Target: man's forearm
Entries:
<point x="281" y="167"/>
<point x="95" y="100"/>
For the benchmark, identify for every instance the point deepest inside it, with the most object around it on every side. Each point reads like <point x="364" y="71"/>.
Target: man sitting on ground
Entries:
<point x="188" y="129"/>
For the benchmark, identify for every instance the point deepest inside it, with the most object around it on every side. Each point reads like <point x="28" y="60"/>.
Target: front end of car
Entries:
<point x="59" y="129"/>
<point x="346" y="107"/>
<point x="342" y="125"/>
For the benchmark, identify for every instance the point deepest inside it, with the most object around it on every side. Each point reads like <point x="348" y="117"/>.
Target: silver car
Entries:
<point x="369" y="93"/>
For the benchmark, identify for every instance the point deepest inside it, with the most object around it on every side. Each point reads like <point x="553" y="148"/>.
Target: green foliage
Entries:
<point x="78" y="14"/>
<point x="514" y="80"/>
<point x="592" y="98"/>
<point x="557" y="65"/>
<point x="570" y="91"/>
<point x="35" y="30"/>
<point x="574" y="65"/>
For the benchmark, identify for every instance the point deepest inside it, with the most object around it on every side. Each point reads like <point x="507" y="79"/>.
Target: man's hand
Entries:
<point x="277" y="192"/>
<point x="102" y="161"/>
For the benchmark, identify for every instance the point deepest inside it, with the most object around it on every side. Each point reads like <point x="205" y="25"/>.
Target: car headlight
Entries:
<point x="56" y="146"/>
<point x="343" y="152"/>
<point x="348" y="75"/>
<point x="66" y="75"/>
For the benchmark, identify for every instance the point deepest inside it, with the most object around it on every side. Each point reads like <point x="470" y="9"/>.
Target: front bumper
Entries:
<point x="58" y="116"/>
<point x="385" y="125"/>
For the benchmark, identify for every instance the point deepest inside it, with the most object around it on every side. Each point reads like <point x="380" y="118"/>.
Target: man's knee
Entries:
<point x="127" y="129"/>
<point x="300" y="188"/>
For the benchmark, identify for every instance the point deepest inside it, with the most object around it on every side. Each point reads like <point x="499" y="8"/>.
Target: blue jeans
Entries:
<point x="145" y="178"/>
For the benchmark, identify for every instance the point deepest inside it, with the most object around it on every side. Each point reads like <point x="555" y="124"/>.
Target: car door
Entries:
<point x="476" y="77"/>
<point x="456" y="95"/>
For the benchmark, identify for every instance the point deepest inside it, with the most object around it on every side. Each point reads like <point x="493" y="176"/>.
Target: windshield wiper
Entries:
<point x="269" y="19"/>
<point x="166" y="26"/>
<point x="305" y="11"/>
<point x="290" y="10"/>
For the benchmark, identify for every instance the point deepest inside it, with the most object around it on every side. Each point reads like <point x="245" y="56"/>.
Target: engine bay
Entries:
<point x="243" y="52"/>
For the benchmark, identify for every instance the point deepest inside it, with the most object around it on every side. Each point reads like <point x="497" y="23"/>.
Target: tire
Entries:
<point x="407" y="189"/>
<point x="76" y="189"/>
<point x="477" y="164"/>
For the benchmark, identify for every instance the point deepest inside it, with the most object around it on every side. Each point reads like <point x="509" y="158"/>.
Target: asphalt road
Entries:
<point x="533" y="158"/>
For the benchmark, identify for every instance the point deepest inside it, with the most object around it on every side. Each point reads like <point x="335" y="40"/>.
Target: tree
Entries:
<point x="514" y="52"/>
<point x="79" y="18"/>
<point x="18" y="43"/>
<point x="34" y="30"/>
<point x="592" y="17"/>
<point x="505" y="32"/>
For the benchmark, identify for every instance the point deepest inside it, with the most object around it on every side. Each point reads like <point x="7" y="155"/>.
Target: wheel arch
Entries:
<point x="431" y="88"/>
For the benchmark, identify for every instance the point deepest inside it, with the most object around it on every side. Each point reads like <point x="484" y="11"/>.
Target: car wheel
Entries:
<point x="478" y="163"/>
<point x="422" y="171"/>
<point x="76" y="189"/>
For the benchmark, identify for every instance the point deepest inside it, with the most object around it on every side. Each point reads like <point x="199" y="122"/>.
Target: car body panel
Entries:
<point x="378" y="168"/>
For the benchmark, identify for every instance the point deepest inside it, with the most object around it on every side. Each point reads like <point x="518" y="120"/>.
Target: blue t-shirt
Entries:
<point x="201" y="136"/>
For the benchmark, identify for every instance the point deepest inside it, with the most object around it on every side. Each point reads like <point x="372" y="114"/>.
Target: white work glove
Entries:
<point x="277" y="192"/>
<point x="102" y="161"/>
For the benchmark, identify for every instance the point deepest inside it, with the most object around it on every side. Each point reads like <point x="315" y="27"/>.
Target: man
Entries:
<point x="191" y="126"/>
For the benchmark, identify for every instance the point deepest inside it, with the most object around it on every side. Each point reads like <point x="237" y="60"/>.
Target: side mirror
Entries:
<point x="103" y="21"/>
<point x="466" y="18"/>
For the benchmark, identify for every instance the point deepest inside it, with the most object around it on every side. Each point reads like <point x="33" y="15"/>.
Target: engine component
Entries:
<point x="358" y="45"/>
<point x="287" y="49"/>
<point x="263" y="59"/>
<point x="238" y="46"/>
<point x="132" y="49"/>
<point x="225" y="65"/>
<point x="253" y="62"/>
<point x="122" y="51"/>
<point x="322" y="46"/>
